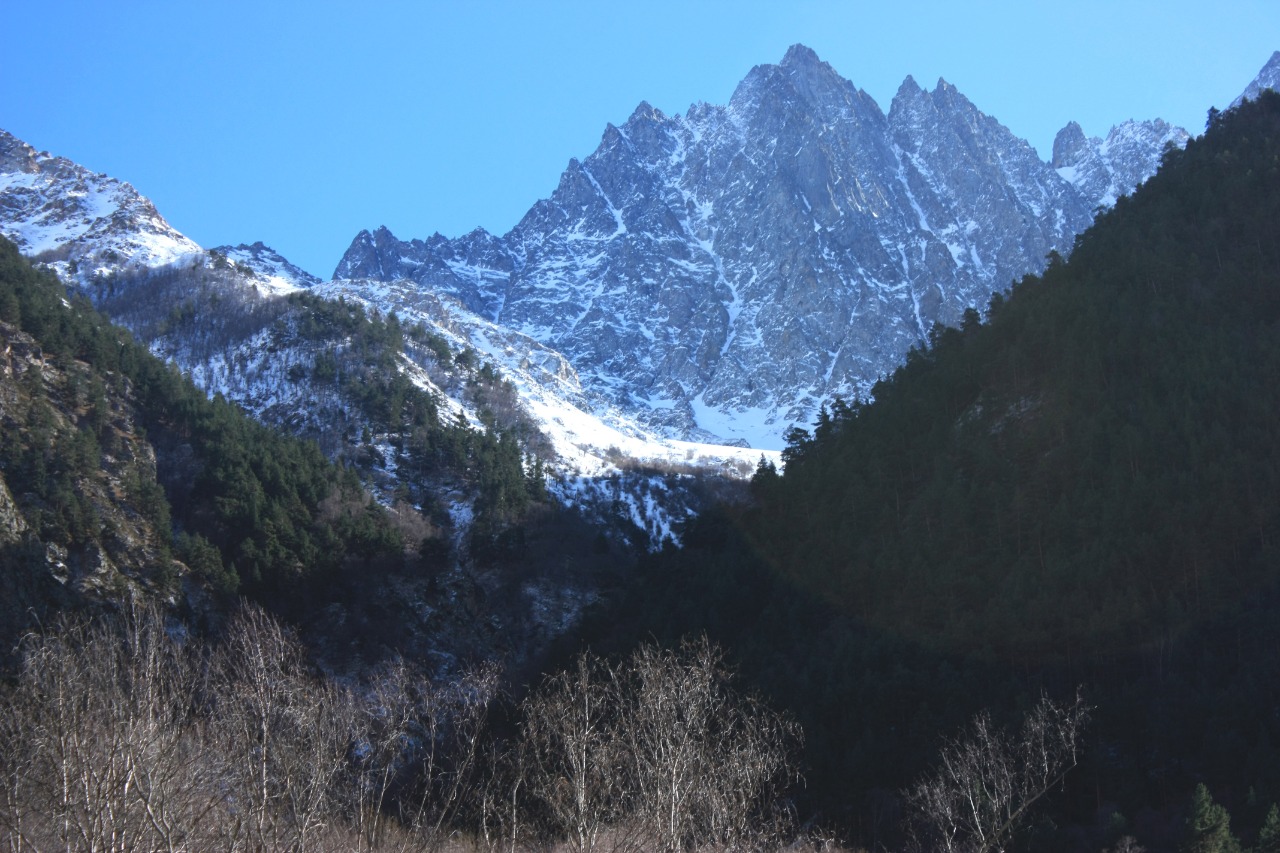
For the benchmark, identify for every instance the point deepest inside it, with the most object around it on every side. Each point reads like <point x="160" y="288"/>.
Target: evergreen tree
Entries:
<point x="1269" y="835"/>
<point x="1208" y="827"/>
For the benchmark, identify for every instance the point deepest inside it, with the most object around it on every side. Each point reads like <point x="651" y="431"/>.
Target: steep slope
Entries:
<point x="1268" y="79"/>
<point x="102" y="511"/>
<point x="85" y="223"/>
<point x="721" y="273"/>
<point x="91" y="513"/>
<point x="80" y="525"/>
<point x="1092" y="469"/>
<point x="1082" y="490"/>
<point x="224" y="317"/>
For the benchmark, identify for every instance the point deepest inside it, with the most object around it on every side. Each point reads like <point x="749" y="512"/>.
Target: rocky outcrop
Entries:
<point x="1105" y="169"/>
<point x="12" y="524"/>
<point x="75" y="529"/>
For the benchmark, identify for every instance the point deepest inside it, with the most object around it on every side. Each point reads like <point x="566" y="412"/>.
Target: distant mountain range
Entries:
<point x="719" y="274"/>
<point x="713" y="276"/>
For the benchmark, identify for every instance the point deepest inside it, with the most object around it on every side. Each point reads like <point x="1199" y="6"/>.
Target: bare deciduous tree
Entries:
<point x="446" y="727"/>
<point x="384" y="726"/>
<point x="709" y="764"/>
<point x="572" y="751"/>
<point x="658" y="752"/>
<point x="124" y="735"/>
<point x="102" y="749"/>
<point x="987" y="780"/>
<point x="282" y="734"/>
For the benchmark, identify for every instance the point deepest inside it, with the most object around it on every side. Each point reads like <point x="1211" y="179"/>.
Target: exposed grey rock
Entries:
<point x="12" y="524"/>
<point x="55" y="558"/>
<point x="1105" y="169"/>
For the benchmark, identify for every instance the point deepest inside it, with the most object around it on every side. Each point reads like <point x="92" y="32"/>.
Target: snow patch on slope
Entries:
<point x="80" y="221"/>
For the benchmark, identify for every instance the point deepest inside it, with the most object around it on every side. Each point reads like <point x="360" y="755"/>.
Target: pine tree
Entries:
<point x="1208" y="826"/>
<point x="1269" y="835"/>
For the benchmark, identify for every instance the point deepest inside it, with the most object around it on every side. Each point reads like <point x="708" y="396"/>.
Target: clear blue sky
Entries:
<point x="298" y="124"/>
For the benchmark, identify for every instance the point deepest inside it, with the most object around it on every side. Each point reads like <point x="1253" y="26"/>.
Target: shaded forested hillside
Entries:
<point x="1094" y="467"/>
<point x="1081" y="487"/>
<point x="96" y="425"/>
<point x="121" y="478"/>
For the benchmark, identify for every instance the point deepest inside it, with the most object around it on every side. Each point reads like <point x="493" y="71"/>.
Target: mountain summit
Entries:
<point x="721" y="273"/>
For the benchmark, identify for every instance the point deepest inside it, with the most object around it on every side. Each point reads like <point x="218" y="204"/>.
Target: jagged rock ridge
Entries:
<point x="1105" y="169"/>
<point x="722" y="272"/>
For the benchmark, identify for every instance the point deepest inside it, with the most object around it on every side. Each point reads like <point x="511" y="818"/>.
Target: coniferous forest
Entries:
<point x="1078" y="488"/>
<point x="1022" y="598"/>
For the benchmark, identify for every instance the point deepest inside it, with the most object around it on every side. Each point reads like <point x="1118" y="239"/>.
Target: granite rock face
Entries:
<point x="720" y="273"/>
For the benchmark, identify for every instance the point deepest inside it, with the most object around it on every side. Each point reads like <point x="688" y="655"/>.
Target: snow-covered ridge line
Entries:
<point x="591" y="437"/>
<point x="87" y="223"/>
<point x="101" y="235"/>
<point x="270" y="270"/>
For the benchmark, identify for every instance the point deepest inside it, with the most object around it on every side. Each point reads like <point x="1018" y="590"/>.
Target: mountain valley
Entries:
<point x="919" y="433"/>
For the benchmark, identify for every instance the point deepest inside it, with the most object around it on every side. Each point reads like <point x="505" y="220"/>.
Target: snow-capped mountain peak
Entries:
<point x="58" y="211"/>
<point x="719" y="274"/>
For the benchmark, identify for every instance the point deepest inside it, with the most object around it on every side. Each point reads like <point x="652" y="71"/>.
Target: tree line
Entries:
<point x="126" y="732"/>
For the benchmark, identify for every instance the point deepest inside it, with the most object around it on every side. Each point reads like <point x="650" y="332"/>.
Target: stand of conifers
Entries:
<point x="129" y="734"/>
